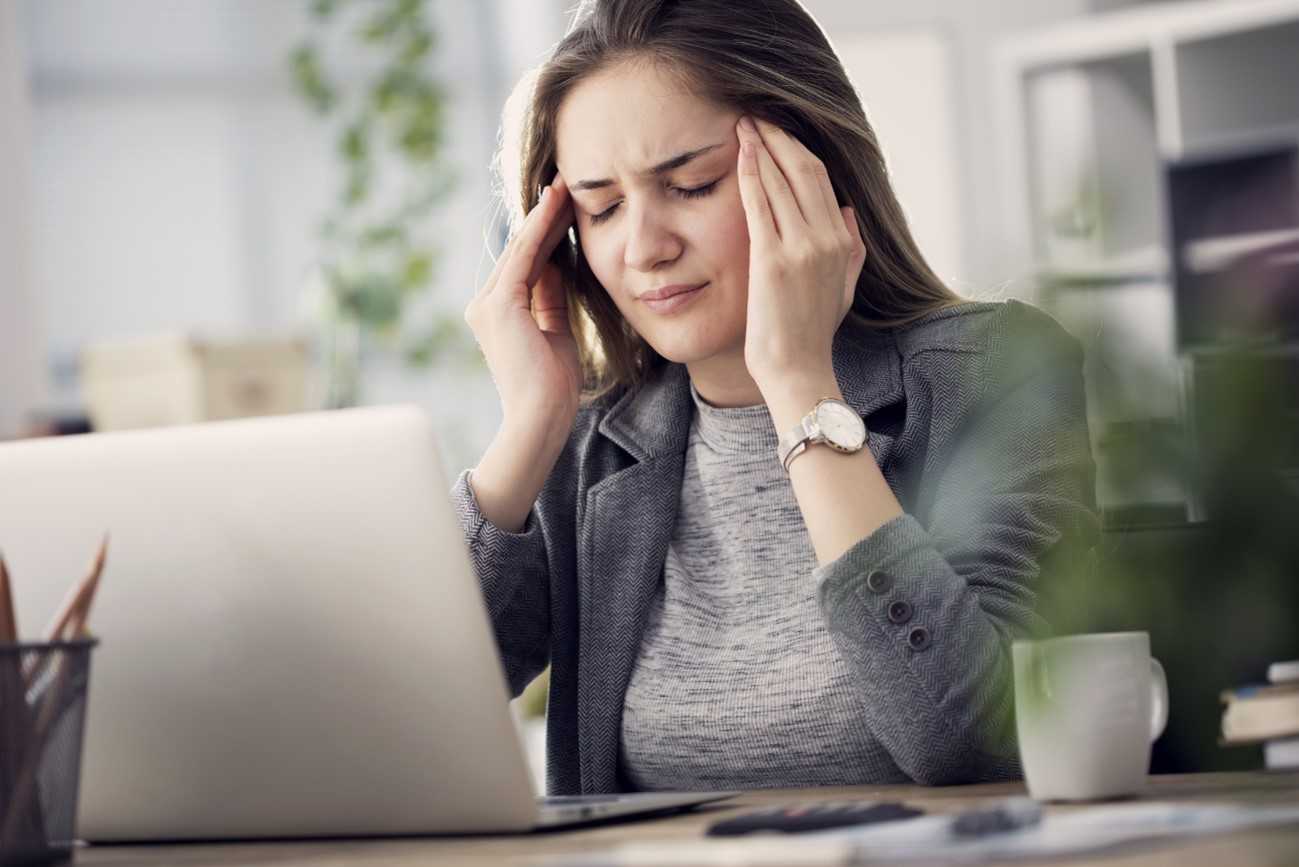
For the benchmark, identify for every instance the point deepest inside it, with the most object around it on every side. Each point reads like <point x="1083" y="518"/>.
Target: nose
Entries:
<point x="651" y="240"/>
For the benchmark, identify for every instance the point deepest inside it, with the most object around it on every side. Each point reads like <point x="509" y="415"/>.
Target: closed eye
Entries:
<point x="691" y="193"/>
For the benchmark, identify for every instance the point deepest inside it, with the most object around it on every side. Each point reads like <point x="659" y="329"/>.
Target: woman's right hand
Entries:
<point x="520" y="319"/>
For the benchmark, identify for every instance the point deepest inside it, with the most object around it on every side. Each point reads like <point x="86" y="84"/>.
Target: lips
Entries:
<point x="669" y="299"/>
<point x="665" y="292"/>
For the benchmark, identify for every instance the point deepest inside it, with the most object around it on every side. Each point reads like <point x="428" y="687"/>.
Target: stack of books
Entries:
<point x="1267" y="714"/>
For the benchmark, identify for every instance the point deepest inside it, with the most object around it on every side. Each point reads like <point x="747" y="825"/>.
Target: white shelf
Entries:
<point x="1098" y="115"/>
<point x="1145" y="265"/>
<point x="1215" y="65"/>
<point x="1215" y="254"/>
<point x="1092" y="108"/>
<point x="1141" y="30"/>
<point x="1241" y="141"/>
<point x="1093" y="187"/>
<point x="1244" y="80"/>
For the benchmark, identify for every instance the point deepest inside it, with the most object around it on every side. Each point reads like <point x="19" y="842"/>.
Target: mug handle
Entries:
<point x="1158" y="700"/>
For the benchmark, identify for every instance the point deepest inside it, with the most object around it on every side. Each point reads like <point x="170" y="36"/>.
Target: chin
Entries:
<point x="678" y="355"/>
<point x="688" y="351"/>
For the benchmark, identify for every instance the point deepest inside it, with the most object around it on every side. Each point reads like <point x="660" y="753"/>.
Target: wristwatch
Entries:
<point x="832" y="422"/>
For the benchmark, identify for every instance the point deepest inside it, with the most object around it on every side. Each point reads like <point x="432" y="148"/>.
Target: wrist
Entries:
<point x="535" y="431"/>
<point x="793" y="395"/>
<point x="512" y="472"/>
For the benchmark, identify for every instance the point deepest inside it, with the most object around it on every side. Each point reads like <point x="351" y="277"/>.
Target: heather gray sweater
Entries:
<point x="738" y="684"/>
<point x="977" y="420"/>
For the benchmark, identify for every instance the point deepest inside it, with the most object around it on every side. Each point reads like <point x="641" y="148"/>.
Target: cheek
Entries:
<point x="605" y="262"/>
<point x="725" y="232"/>
<point x="727" y="240"/>
<point x="737" y="241"/>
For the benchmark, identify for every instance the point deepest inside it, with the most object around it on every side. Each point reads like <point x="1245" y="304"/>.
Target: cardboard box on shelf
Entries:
<point x="181" y="379"/>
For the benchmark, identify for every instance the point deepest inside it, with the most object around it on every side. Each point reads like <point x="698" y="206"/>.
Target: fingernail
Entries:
<point x="545" y="191"/>
<point x="747" y="123"/>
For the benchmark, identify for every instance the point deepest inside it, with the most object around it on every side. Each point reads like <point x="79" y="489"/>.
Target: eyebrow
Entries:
<point x="667" y="165"/>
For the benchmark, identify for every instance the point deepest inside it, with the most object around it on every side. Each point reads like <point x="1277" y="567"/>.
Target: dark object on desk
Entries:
<point x="40" y="754"/>
<point x="55" y="425"/>
<point x="1000" y="818"/>
<point x="797" y="818"/>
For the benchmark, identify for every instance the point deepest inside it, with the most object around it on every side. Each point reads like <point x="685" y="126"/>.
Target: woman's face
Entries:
<point x="652" y="169"/>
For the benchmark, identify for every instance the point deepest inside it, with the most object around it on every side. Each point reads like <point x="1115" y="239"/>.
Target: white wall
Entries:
<point x="971" y="29"/>
<point x="21" y="340"/>
<point x="178" y="179"/>
<point x="175" y="173"/>
<point x="916" y="126"/>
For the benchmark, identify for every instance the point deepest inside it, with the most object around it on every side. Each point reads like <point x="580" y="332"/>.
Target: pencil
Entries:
<point x="81" y="616"/>
<point x="76" y="607"/>
<point x="24" y="822"/>
<point x="8" y="615"/>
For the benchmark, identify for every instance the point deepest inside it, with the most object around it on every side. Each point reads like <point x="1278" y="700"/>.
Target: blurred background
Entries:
<point x="219" y="208"/>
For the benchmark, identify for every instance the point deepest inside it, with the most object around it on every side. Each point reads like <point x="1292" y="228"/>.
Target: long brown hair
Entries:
<point x="766" y="58"/>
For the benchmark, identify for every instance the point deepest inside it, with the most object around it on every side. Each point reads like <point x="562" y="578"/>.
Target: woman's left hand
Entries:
<point x="805" y="254"/>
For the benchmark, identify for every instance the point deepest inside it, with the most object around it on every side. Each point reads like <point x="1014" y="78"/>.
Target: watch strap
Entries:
<point x="798" y="448"/>
<point x="795" y="441"/>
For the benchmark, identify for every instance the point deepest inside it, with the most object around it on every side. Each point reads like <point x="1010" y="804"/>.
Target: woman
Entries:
<point x="726" y="598"/>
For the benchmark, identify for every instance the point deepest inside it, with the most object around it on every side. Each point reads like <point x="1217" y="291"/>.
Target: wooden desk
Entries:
<point x="1273" y="846"/>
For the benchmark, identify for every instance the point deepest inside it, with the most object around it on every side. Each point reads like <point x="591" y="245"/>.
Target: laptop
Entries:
<point x="292" y="639"/>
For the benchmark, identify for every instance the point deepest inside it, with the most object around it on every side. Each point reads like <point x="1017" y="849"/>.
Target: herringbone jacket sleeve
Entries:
<point x="926" y="607"/>
<point x="512" y="571"/>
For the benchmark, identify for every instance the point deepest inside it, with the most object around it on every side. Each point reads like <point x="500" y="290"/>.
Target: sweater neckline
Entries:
<point x="745" y="429"/>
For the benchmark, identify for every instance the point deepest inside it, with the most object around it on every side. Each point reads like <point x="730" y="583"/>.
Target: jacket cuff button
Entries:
<point x="919" y="638"/>
<point x="879" y="582"/>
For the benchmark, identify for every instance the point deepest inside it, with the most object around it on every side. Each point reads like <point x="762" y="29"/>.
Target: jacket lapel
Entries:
<point x="627" y="522"/>
<point x="625" y="529"/>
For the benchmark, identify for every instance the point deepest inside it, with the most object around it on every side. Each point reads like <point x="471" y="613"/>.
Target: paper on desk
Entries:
<point x="1084" y="831"/>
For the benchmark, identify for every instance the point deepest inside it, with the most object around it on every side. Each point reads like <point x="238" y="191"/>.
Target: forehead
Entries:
<point x="624" y="119"/>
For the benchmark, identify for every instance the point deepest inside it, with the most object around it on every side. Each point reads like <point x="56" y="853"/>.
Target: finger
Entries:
<point x="510" y="244"/>
<point x="550" y="302"/>
<point x="757" y="209"/>
<point x="835" y="211"/>
<point x="784" y="207"/>
<point x="806" y="176"/>
<point x="555" y="233"/>
<point x="522" y="267"/>
<point x="856" y="259"/>
<point x="853" y="228"/>
<point x="851" y="225"/>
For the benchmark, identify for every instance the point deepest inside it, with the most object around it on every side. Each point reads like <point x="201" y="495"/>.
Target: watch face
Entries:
<point x="841" y="425"/>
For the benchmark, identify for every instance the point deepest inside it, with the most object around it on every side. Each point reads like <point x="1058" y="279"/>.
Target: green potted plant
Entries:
<point x="378" y="258"/>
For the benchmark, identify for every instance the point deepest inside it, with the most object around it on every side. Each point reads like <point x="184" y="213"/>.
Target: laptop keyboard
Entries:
<point x="567" y="800"/>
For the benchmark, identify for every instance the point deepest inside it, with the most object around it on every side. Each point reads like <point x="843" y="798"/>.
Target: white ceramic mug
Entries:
<point x="1087" y="709"/>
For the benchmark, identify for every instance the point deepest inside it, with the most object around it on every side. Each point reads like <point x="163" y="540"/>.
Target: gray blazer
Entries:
<point x="976" y="418"/>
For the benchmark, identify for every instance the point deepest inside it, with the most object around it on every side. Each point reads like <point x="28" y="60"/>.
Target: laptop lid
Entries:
<point x="293" y="642"/>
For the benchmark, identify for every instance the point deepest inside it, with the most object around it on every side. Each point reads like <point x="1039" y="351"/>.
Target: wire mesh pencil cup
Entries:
<point x="43" y="688"/>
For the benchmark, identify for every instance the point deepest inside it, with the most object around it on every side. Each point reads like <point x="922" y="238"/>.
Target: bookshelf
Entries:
<point x="1090" y="109"/>
<point x="1124" y="137"/>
